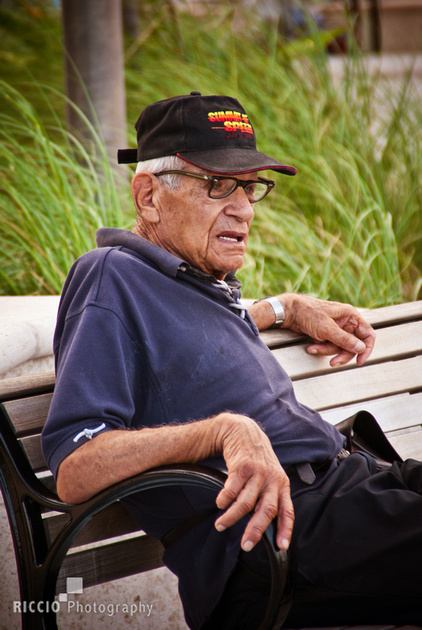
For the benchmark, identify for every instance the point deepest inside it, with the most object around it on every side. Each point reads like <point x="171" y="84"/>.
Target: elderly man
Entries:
<point x="152" y="336"/>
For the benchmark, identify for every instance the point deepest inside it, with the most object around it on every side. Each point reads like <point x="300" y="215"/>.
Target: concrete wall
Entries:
<point x="26" y="334"/>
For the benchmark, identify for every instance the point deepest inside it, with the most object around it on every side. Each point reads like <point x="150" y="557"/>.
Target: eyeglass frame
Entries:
<point x="212" y="178"/>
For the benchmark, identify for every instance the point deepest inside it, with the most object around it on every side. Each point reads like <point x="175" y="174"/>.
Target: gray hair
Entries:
<point x="166" y="163"/>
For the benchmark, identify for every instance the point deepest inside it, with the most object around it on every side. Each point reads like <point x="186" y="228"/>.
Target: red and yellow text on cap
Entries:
<point x="233" y="121"/>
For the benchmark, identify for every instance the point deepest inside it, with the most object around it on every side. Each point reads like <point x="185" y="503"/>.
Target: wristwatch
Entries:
<point x="277" y="307"/>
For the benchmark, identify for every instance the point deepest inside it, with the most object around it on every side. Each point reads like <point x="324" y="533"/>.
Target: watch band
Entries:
<point x="278" y="309"/>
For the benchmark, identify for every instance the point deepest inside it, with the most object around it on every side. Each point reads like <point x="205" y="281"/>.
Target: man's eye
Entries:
<point x="220" y="185"/>
<point x="224" y="186"/>
<point x="250" y="188"/>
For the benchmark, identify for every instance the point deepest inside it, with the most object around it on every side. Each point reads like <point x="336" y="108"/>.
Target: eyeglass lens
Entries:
<point x="224" y="187"/>
<point x="220" y="187"/>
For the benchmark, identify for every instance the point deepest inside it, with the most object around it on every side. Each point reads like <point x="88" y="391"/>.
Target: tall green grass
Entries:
<point x="54" y="194"/>
<point x="347" y="227"/>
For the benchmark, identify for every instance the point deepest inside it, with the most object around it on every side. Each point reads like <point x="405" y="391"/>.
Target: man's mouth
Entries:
<point x="232" y="238"/>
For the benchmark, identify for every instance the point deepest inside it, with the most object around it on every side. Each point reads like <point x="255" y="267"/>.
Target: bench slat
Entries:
<point x="28" y="415"/>
<point x="365" y="383"/>
<point x="26" y="385"/>
<point x="393" y="314"/>
<point x="111" y="562"/>
<point x="392" y="343"/>
<point x="32" y="447"/>
<point x="111" y="522"/>
<point x="408" y="445"/>
<point x="392" y="412"/>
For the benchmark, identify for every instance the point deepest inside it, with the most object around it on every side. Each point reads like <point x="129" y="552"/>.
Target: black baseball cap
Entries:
<point x="210" y="132"/>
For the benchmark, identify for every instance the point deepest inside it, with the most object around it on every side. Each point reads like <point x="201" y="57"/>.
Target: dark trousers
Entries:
<point x="356" y="553"/>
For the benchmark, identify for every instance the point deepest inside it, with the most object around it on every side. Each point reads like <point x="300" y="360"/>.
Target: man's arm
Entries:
<point x="336" y="328"/>
<point x="256" y="481"/>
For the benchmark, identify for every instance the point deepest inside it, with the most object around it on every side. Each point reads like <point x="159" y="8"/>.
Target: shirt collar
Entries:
<point x="164" y="260"/>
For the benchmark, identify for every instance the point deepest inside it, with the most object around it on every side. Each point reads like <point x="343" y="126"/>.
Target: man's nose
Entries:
<point x="240" y="206"/>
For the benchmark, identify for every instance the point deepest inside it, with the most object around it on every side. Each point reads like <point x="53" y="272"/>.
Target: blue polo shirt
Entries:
<point x="144" y="340"/>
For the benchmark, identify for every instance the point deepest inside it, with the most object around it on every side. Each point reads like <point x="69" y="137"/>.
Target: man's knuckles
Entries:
<point x="257" y="468"/>
<point x="269" y="511"/>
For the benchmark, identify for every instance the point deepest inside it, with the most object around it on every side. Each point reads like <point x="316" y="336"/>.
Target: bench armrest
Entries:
<point x="205" y="477"/>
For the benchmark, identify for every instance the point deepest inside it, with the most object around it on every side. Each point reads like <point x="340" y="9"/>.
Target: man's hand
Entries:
<point x="257" y="483"/>
<point x="337" y="328"/>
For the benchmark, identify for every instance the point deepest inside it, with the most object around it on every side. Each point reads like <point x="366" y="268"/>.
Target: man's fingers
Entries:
<point x="267" y="509"/>
<point x="256" y="484"/>
<point x="345" y="344"/>
<point x="265" y="505"/>
<point x="265" y="513"/>
<point x="346" y="340"/>
<point x="328" y="349"/>
<point x="367" y="334"/>
<point x="231" y="490"/>
<point x="340" y="324"/>
<point x="238" y="498"/>
<point x="285" y="520"/>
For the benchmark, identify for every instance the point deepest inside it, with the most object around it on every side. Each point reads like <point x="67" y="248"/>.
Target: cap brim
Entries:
<point x="235" y="161"/>
<point x="238" y="161"/>
<point x="127" y="156"/>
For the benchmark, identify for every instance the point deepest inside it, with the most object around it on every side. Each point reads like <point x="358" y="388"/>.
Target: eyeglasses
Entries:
<point x="221" y="186"/>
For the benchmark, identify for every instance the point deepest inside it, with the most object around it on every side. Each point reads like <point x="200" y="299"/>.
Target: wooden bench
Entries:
<point x="389" y="385"/>
<point x="44" y="529"/>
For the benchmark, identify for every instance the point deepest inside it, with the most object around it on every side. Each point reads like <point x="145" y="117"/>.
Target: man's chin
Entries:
<point x="222" y="272"/>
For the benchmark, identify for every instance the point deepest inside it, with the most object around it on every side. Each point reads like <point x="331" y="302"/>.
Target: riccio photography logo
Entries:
<point x="67" y="603"/>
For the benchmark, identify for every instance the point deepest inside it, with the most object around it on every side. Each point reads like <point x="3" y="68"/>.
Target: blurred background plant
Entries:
<point x="348" y="227"/>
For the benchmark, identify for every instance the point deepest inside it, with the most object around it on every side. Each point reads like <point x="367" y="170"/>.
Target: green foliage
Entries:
<point x="347" y="227"/>
<point x="31" y="51"/>
<point x="54" y="194"/>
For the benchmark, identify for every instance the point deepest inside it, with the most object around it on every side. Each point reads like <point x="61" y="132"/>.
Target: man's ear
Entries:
<point x="143" y="187"/>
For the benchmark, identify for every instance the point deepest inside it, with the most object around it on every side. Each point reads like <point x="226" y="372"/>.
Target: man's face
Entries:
<point x="210" y="234"/>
